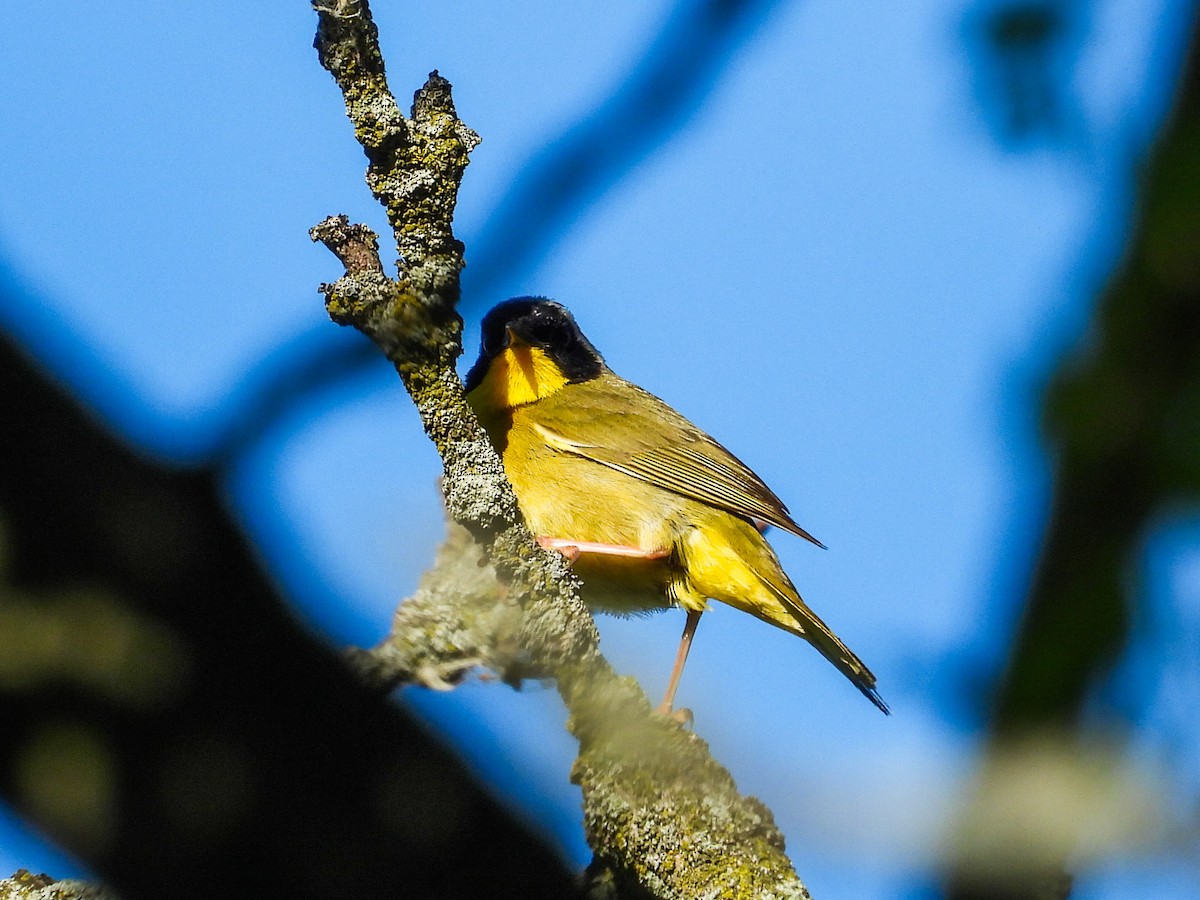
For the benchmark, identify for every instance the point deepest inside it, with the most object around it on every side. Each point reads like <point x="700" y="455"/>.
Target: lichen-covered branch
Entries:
<point x="24" y="885"/>
<point x="431" y="648"/>
<point x="663" y="818"/>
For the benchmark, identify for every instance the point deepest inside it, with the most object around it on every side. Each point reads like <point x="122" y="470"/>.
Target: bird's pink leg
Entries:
<point x="685" y="646"/>
<point x="572" y="550"/>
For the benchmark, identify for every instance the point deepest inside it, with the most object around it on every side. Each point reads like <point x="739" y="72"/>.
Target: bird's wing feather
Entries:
<point x="669" y="452"/>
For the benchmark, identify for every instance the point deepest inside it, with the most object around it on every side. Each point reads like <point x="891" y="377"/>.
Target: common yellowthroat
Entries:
<point x="653" y="511"/>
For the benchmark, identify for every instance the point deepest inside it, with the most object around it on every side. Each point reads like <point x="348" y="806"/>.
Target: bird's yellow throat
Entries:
<point x="519" y="375"/>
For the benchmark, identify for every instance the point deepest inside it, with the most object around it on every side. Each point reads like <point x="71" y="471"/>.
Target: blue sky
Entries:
<point x="833" y="267"/>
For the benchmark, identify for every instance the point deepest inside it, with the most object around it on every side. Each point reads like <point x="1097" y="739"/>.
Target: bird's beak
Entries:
<point x="512" y="339"/>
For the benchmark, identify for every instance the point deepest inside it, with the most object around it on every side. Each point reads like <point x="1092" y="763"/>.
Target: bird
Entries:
<point x="651" y="511"/>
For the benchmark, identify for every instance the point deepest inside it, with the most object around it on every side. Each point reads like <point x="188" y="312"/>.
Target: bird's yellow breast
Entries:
<point x="517" y="376"/>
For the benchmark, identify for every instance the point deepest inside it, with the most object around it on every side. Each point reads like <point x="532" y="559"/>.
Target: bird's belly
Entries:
<point x="624" y="586"/>
<point x="578" y="500"/>
<point x="581" y="500"/>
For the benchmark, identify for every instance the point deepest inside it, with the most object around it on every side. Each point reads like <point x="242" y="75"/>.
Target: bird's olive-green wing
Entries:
<point x="640" y="435"/>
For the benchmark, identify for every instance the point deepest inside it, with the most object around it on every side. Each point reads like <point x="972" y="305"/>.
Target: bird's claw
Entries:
<point x="682" y="717"/>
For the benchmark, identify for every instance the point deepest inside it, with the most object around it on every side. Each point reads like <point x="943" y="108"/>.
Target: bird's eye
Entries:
<point x="492" y="341"/>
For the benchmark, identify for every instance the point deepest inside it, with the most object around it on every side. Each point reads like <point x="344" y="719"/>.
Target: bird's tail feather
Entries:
<point x="846" y="661"/>
<point x="810" y="627"/>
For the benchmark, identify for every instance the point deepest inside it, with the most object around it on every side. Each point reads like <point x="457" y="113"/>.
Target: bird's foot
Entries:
<point x="682" y="717"/>
<point x="569" y="549"/>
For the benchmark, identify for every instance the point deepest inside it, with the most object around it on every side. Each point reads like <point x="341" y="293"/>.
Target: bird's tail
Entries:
<point x="732" y="563"/>
<point x="809" y="626"/>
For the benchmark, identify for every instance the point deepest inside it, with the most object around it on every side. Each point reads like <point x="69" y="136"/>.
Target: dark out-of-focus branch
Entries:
<point x="662" y="817"/>
<point x="573" y="170"/>
<point x="1122" y="416"/>
<point x="166" y="720"/>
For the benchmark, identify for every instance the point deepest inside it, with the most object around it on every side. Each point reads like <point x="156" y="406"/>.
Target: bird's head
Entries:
<point x="530" y="348"/>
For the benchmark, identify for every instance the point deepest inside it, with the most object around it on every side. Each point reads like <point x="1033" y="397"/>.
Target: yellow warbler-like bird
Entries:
<point x="653" y="512"/>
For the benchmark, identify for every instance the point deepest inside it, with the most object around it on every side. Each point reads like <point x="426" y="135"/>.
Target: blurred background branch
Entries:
<point x="1122" y="416"/>
<point x="1025" y="57"/>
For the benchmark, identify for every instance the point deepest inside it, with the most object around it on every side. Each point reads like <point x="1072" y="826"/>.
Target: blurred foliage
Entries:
<point x="1122" y="418"/>
<point x="1049" y="798"/>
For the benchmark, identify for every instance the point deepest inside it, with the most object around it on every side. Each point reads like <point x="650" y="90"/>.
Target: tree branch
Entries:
<point x="661" y="816"/>
<point x="24" y="885"/>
